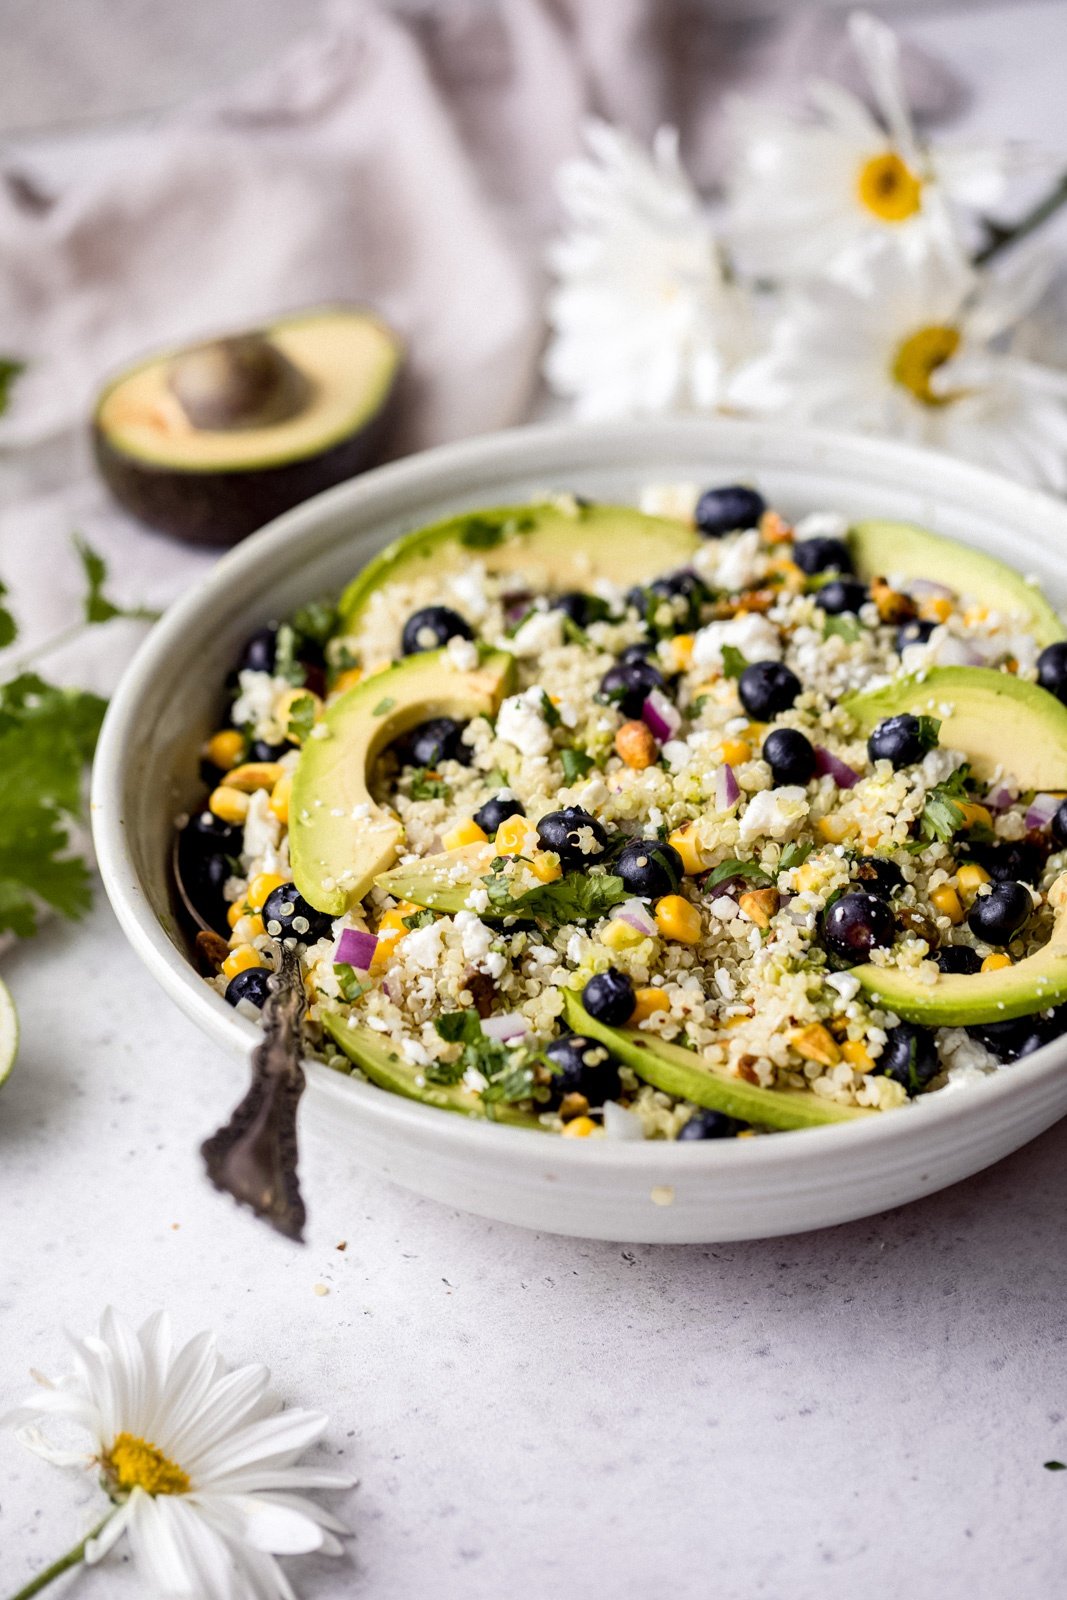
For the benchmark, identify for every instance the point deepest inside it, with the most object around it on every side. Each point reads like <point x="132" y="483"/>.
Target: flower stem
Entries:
<point x="1001" y="236"/>
<point x="64" y="1564"/>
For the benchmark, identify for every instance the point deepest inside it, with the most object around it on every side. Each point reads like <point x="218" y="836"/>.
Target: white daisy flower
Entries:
<point x="199" y="1462"/>
<point x="810" y="199"/>
<point x="643" y="318"/>
<point x="920" y="355"/>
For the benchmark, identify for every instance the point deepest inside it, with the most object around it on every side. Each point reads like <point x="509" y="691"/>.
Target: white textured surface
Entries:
<point x="859" y="1412"/>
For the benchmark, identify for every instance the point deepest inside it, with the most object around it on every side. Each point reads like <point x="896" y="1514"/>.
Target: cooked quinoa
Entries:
<point x="731" y="958"/>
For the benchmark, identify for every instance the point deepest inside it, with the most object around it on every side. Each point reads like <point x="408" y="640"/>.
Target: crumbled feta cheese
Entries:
<point x="755" y="637"/>
<point x="821" y="525"/>
<point x="677" y="500"/>
<point x="521" y="723"/>
<point x="462" y="653"/>
<point x="257" y="695"/>
<point x="846" y="985"/>
<point x="468" y="589"/>
<point x="938" y="765"/>
<point x="262" y="828"/>
<point x="541" y="631"/>
<point x="739" y="561"/>
<point x="774" y="813"/>
<point x="423" y="947"/>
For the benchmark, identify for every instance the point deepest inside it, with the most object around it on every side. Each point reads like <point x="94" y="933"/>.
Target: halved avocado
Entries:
<point x="339" y="838"/>
<point x="564" y="544"/>
<point x="996" y="719"/>
<point x="955" y="1000"/>
<point x="210" y="442"/>
<point x="901" y="548"/>
<point x="687" y="1075"/>
<point x="442" y="882"/>
<point x="389" y="1070"/>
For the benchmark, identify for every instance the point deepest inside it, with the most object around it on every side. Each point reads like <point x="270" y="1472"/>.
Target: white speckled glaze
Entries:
<point x="146" y="771"/>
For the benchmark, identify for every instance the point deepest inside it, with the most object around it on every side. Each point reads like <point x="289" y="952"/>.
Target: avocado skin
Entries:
<point x="221" y="508"/>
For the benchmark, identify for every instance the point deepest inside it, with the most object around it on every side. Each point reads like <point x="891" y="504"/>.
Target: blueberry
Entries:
<point x="1016" y="860"/>
<point x="878" y="876"/>
<point x="857" y="924"/>
<point x="584" y="1066"/>
<point x="637" y="652"/>
<point x="629" y="683"/>
<point x="674" y="586"/>
<point x="260" y="651"/>
<point x="559" y="831"/>
<point x="1052" y="670"/>
<point x="286" y="914"/>
<point x="997" y="916"/>
<point x="495" y="811"/>
<point x="711" y="1125"/>
<point x="910" y="1056"/>
<point x="1059" y="825"/>
<point x="789" y="755"/>
<point x="205" y="834"/>
<point x="899" y="740"/>
<point x="1021" y="1036"/>
<point x="439" y="739"/>
<point x="251" y="984"/>
<point x="431" y="628"/>
<point x="914" y="632"/>
<point x="822" y="555"/>
<point x="767" y="688"/>
<point x="260" y="750"/>
<point x="840" y="595"/>
<point x="728" y="508"/>
<point x="649" y="869"/>
<point x="959" y="958"/>
<point x="580" y="608"/>
<point x="204" y="878"/>
<point x="609" y="998"/>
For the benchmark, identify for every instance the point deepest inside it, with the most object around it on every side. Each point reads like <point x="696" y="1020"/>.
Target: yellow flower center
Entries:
<point x="888" y="188"/>
<point x="918" y="357"/>
<point x="133" y="1463"/>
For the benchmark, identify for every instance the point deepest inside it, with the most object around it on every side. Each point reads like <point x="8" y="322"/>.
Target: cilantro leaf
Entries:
<point x="549" y="712"/>
<point x="733" y="662"/>
<point x="349" y="981"/>
<point x="9" y="371"/>
<point x="481" y="533"/>
<point x="301" y="718"/>
<point x="316" y="622"/>
<point x="575" y="765"/>
<point x="8" y="626"/>
<point x="942" y="815"/>
<point x="576" y="897"/>
<point x="418" y="919"/>
<point x="508" y="1071"/>
<point x="98" y="608"/>
<point x="423" y="787"/>
<point x="737" y="869"/>
<point x="845" y="627"/>
<point x="929" y="732"/>
<point x="794" y="855"/>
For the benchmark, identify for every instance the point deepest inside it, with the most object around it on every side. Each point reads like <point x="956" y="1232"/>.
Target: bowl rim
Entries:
<point x="571" y="445"/>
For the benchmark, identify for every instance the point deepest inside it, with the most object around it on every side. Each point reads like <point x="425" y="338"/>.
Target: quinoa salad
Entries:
<point x="686" y="821"/>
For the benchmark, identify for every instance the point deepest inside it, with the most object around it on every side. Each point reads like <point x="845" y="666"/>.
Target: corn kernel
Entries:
<point x="806" y="877"/>
<point x="544" y="864"/>
<point x="515" y="836"/>
<point x="225" y="748"/>
<point x="620" y="936"/>
<point x="857" y="1055"/>
<point x="973" y="813"/>
<point x="816" y="1043"/>
<point x="975" y="614"/>
<point x="677" y="919"/>
<point x="279" y="797"/>
<point x="681" y="648"/>
<point x="935" y="608"/>
<point x="240" y="960"/>
<point x="229" y="805"/>
<point x="465" y="832"/>
<point x="684" y="840"/>
<point x="347" y="680"/>
<point x="735" y="751"/>
<point x="946" y="902"/>
<point x="263" y="884"/>
<point x="579" y="1128"/>
<point x="390" y="931"/>
<point x="647" y="1001"/>
<point x="254" y="775"/>
<point x="756" y="732"/>
<point x="834" y="829"/>
<point x="246" y="928"/>
<point x="236" y="912"/>
<point x="997" y="961"/>
<point x="970" y="878"/>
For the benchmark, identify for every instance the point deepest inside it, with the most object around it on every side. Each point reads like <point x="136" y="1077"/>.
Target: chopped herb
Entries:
<point x="9" y="371"/>
<point x="549" y="711"/>
<point x="286" y="664"/>
<point x="315" y="622"/>
<point x="929" y="731"/>
<point x="794" y="855"/>
<point x="349" y="982"/>
<point x="696" y="709"/>
<point x="419" y="919"/>
<point x="575" y="764"/>
<point x="942" y="816"/>
<point x="497" y="779"/>
<point x="576" y="897"/>
<point x="342" y="659"/>
<point x="426" y="785"/>
<point x="301" y="718"/>
<point x="480" y="533"/>
<point x="383" y="706"/>
<point x="575" y="634"/>
<point x="508" y="1071"/>
<point x="733" y="662"/>
<point x="737" y="869"/>
<point x="98" y="608"/>
<point x="845" y="627"/>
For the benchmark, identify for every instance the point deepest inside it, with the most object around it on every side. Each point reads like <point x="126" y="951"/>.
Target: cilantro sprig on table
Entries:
<point x="47" y="738"/>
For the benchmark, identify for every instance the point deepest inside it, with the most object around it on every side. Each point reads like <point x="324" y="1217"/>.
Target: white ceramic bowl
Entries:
<point x="146" y="772"/>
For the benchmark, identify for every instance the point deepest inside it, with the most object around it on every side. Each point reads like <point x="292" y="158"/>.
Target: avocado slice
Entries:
<point x="388" y="1070"/>
<point x="210" y="442"/>
<point x="880" y="548"/>
<point x="955" y="1000"/>
<point x="340" y="840"/>
<point x="996" y="719"/>
<point x="565" y="544"/>
<point x="443" y="882"/>
<point x="685" y="1074"/>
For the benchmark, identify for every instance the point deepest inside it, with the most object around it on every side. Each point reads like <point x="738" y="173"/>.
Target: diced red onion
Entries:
<point x="355" y="948"/>
<point x="927" y="587"/>
<point x="1043" y="808"/>
<point x="508" y="1026"/>
<point x="829" y="765"/>
<point x="661" y="717"/>
<point x="727" y="789"/>
<point x="999" y="798"/>
<point x="637" y="915"/>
